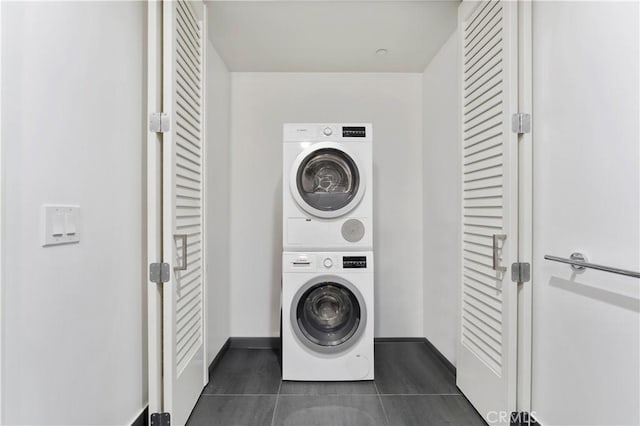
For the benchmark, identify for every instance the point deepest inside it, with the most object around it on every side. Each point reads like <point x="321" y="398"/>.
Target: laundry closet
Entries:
<point x="502" y="134"/>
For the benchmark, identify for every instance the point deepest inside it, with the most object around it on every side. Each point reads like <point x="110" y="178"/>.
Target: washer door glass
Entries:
<point x="328" y="179"/>
<point x="328" y="314"/>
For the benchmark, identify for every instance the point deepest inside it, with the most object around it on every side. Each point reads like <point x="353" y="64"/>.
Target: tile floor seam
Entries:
<point x="327" y="394"/>
<point x="384" y="410"/>
<point x="275" y="406"/>
<point x="238" y="394"/>
<point x="419" y="394"/>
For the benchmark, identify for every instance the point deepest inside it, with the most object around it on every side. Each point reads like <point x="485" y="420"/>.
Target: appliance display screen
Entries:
<point x="352" y="262"/>
<point x="353" y="132"/>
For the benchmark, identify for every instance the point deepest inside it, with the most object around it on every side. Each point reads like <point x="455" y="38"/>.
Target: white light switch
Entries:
<point x="57" y="224"/>
<point x="60" y="224"/>
<point x="70" y="223"/>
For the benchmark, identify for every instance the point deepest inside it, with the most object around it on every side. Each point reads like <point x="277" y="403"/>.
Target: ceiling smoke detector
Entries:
<point x="381" y="52"/>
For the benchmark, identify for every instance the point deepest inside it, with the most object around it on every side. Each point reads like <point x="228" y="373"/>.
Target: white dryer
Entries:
<point x="327" y="187"/>
<point x="327" y="318"/>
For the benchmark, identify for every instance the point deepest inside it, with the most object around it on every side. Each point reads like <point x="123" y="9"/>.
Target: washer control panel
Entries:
<point x="327" y="262"/>
<point x="335" y="132"/>
<point x="354" y="262"/>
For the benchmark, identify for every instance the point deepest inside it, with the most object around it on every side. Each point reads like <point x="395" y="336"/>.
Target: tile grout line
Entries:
<point x="384" y="411"/>
<point x="420" y="394"/>
<point x="239" y="394"/>
<point x="326" y="394"/>
<point x="275" y="407"/>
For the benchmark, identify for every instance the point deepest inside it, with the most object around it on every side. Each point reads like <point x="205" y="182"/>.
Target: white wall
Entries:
<point x="217" y="157"/>
<point x="441" y="199"/>
<point x="74" y="322"/>
<point x="260" y="104"/>
<point x="586" y="359"/>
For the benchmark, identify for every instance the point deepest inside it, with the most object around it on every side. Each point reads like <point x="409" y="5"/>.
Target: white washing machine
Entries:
<point x="327" y="188"/>
<point x="327" y="318"/>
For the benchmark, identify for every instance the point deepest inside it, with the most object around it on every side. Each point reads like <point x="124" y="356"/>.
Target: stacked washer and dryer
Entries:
<point x="327" y="262"/>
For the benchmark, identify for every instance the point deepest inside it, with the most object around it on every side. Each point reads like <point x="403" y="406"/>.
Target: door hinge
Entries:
<point x="521" y="123"/>
<point x="160" y="419"/>
<point x="159" y="273"/>
<point x="159" y="122"/>
<point x="520" y="272"/>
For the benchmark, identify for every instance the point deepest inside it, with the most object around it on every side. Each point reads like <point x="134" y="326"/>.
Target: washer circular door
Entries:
<point x="328" y="314"/>
<point x="326" y="181"/>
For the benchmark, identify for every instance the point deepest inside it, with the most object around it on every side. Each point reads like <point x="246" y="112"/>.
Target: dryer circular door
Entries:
<point x="328" y="314"/>
<point x="326" y="181"/>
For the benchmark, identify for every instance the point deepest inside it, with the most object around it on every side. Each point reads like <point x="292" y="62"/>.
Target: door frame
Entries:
<point x="525" y="207"/>
<point x="154" y="205"/>
<point x="2" y="217"/>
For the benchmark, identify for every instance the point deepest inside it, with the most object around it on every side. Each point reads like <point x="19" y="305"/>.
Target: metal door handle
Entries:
<point x="496" y="248"/>
<point x="183" y="237"/>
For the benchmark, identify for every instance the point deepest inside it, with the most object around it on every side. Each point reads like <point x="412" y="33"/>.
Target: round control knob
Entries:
<point x="328" y="263"/>
<point x="327" y="131"/>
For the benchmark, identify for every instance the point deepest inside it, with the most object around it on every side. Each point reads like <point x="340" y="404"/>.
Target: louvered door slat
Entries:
<point x="475" y="23"/>
<point x="483" y="249"/>
<point x="186" y="62"/>
<point x="186" y="137"/>
<point x="187" y="288"/>
<point x="471" y="193"/>
<point x="191" y="20"/>
<point x="488" y="279"/>
<point x="490" y="31"/>
<point x="490" y="334"/>
<point x="477" y="239"/>
<point x="480" y="267"/>
<point x="475" y="153"/>
<point x="487" y="160"/>
<point x="480" y="284"/>
<point x="188" y="76"/>
<point x="484" y="171"/>
<point x="488" y="339"/>
<point x="484" y="211"/>
<point x="483" y="202"/>
<point x="186" y="40"/>
<point x="190" y="125"/>
<point x="474" y="292"/>
<point x="482" y="55"/>
<point x="482" y="115"/>
<point x="188" y="110"/>
<point x="493" y="182"/>
<point x="490" y="66"/>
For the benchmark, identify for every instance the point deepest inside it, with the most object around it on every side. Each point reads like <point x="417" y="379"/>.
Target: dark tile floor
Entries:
<point x="412" y="387"/>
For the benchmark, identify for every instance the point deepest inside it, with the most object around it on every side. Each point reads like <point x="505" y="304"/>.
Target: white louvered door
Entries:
<point x="184" y="369"/>
<point x="486" y="366"/>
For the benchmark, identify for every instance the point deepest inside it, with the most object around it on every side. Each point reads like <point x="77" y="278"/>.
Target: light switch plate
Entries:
<point x="60" y="224"/>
